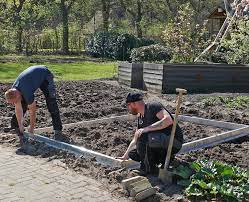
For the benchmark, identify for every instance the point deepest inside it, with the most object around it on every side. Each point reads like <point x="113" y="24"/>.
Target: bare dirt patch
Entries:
<point x="86" y="100"/>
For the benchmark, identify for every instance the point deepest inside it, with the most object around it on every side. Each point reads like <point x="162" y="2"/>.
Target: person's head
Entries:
<point x="135" y="103"/>
<point x="12" y="96"/>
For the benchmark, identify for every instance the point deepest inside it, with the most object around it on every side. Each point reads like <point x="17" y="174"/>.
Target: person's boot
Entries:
<point x="22" y="140"/>
<point x="141" y="171"/>
<point x="58" y="135"/>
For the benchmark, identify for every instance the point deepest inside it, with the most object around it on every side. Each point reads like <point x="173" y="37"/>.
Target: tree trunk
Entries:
<point x="139" y="19"/>
<point x="172" y="9"/>
<point x="17" y="21"/>
<point x="19" y="47"/>
<point x="56" y="39"/>
<point x="106" y="14"/>
<point x="64" y="10"/>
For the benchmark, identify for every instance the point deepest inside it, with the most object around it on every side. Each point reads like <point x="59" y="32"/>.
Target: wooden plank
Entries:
<point x="153" y="81"/>
<point x="101" y="158"/>
<point x="125" y="74"/>
<point x="151" y="71"/>
<point x="86" y="123"/>
<point x="214" y="140"/>
<point x="124" y="69"/>
<point x="153" y="76"/>
<point x="210" y="122"/>
<point x="153" y="87"/>
<point x="153" y="66"/>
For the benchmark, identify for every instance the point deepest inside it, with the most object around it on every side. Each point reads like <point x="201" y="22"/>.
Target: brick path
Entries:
<point x="26" y="178"/>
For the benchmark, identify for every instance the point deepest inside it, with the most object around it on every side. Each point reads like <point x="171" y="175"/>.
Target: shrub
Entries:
<point x="186" y="38"/>
<point x="152" y="53"/>
<point x="114" y="45"/>
<point x="99" y="44"/>
<point x="219" y="57"/>
<point x="238" y="52"/>
<point x="125" y="43"/>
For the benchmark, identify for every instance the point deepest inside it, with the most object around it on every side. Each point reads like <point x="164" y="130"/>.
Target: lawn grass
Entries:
<point x="62" y="71"/>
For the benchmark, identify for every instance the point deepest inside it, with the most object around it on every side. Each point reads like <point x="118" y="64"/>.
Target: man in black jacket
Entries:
<point x="150" y="117"/>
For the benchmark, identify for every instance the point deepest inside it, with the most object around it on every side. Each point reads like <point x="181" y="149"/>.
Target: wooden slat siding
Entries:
<point x="153" y="77"/>
<point x="137" y="76"/>
<point x="131" y="74"/>
<point x="124" y="74"/>
<point x="206" y="77"/>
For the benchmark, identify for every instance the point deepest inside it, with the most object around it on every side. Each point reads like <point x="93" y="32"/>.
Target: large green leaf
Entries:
<point x="215" y="179"/>
<point x="183" y="171"/>
<point x="183" y="182"/>
<point x="193" y="191"/>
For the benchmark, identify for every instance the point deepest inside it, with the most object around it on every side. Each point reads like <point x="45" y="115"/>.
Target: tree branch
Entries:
<point x="127" y="9"/>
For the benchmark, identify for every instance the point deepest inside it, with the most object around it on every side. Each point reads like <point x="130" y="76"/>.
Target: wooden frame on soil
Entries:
<point x="236" y="131"/>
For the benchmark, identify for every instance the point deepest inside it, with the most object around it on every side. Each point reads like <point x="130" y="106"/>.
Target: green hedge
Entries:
<point x="114" y="45"/>
<point x="218" y="57"/>
<point x="151" y="53"/>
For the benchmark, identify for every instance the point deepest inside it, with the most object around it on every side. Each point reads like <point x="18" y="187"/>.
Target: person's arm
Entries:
<point x="32" y="114"/>
<point x="19" y="116"/>
<point x="164" y="122"/>
<point x="130" y="147"/>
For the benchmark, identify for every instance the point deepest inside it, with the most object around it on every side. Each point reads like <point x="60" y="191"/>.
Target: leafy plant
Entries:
<point x="237" y="44"/>
<point x="219" y="57"/>
<point x="186" y="38"/>
<point x="216" y="180"/>
<point x="152" y="53"/>
<point x="238" y="102"/>
<point x="114" y="45"/>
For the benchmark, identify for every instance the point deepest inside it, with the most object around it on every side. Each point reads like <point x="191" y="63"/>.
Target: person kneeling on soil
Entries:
<point x="154" y="122"/>
<point x="22" y="96"/>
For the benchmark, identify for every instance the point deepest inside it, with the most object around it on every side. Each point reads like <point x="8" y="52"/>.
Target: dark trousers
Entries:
<point x="48" y="89"/>
<point x="149" y="157"/>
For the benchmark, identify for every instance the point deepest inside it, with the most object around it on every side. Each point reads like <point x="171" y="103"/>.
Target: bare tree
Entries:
<point x="65" y="9"/>
<point x="106" y="6"/>
<point x="135" y="9"/>
<point x="17" y="7"/>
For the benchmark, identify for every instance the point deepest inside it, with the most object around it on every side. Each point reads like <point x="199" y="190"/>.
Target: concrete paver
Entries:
<point x="26" y="178"/>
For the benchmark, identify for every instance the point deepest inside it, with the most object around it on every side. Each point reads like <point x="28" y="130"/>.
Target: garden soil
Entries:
<point x="87" y="100"/>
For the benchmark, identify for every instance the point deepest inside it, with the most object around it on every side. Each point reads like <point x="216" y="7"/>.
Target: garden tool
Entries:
<point x="164" y="174"/>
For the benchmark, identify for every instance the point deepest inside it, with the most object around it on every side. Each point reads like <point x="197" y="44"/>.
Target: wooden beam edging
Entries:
<point x="214" y="140"/>
<point x="111" y="161"/>
<point x="192" y="119"/>
<point x="211" y="122"/>
<point x="239" y="130"/>
<point x="85" y="123"/>
<point x="101" y="158"/>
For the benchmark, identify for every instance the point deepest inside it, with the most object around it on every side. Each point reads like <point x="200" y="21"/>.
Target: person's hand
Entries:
<point x="140" y="131"/>
<point x="31" y="130"/>
<point x="20" y="131"/>
<point x="124" y="157"/>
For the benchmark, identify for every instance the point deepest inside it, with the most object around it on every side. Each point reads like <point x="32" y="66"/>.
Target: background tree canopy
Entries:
<point x="68" y="26"/>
